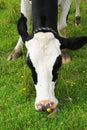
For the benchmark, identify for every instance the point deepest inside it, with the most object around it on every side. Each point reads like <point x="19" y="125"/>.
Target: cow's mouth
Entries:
<point x="47" y="106"/>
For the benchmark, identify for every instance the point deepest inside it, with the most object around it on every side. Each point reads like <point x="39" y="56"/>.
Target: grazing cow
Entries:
<point x="26" y="9"/>
<point x="44" y="50"/>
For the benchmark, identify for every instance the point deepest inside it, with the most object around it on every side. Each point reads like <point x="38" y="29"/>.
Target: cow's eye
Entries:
<point x="56" y="66"/>
<point x="34" y="74"/>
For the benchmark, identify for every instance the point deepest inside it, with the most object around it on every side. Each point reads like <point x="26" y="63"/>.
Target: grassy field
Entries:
<point x="17" y="93"/>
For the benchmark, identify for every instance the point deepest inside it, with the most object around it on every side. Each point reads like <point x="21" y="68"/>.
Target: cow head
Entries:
<point x="44" y="59"/>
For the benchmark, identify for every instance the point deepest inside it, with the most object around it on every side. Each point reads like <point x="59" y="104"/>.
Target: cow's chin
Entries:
<point x="43" y="104"/>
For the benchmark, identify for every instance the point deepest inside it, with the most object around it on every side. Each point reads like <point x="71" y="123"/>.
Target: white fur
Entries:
<point x="43" y="50"/>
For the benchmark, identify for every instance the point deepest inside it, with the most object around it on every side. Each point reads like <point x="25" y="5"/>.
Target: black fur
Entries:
<point x="44" y="14"/>
<point x="22" y="28"/>
<point x="34" y="74"/>
<point x="56" y="66"/>
<point x="73" y="43"/>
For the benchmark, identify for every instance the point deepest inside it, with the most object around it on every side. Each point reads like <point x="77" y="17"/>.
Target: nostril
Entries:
<point x="39" y="107"/>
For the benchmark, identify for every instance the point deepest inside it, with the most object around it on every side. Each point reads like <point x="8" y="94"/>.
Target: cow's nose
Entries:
<point x="45" y="105"/>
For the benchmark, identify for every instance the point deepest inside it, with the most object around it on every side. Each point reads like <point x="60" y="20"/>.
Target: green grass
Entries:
<point x="17" y="93"/>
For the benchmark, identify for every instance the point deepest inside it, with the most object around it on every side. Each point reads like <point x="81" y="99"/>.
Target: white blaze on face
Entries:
<point x="43" y="51"/>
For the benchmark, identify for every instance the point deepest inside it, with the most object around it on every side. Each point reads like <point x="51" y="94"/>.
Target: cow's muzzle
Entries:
<point x="45" y="105"/>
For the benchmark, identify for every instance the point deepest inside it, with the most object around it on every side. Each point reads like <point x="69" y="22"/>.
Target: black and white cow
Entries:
<point x="44" y="50"/>
<point x="26" y="9"/>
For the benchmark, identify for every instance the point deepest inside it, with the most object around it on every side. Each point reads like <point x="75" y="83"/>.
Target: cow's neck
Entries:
<point x="44" y="13"/>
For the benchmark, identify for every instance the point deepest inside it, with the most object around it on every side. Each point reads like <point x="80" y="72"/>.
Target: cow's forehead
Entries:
<point x="43" y="51"/>
<point x="43" y="43"/>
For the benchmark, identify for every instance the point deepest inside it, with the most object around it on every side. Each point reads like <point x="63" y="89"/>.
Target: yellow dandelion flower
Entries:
<point x="67" y="81"/>
<point x="48" y="109"/>
<point x="61" y="123"/>
<point x="22" y="76"/>
<point x="24" y="89"/>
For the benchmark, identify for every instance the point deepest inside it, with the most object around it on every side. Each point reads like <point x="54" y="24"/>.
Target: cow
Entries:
<point x="44" y="47"/>
<point x="26" y="9"/>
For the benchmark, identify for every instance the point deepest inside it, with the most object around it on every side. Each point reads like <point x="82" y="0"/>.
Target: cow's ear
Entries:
<point x="22" y="28"/>
<point x="72" y="43"/>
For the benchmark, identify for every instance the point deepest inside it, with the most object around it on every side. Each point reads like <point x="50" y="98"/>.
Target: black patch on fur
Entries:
<point x="34" y="74"/>
<point x="56" y="66"/>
